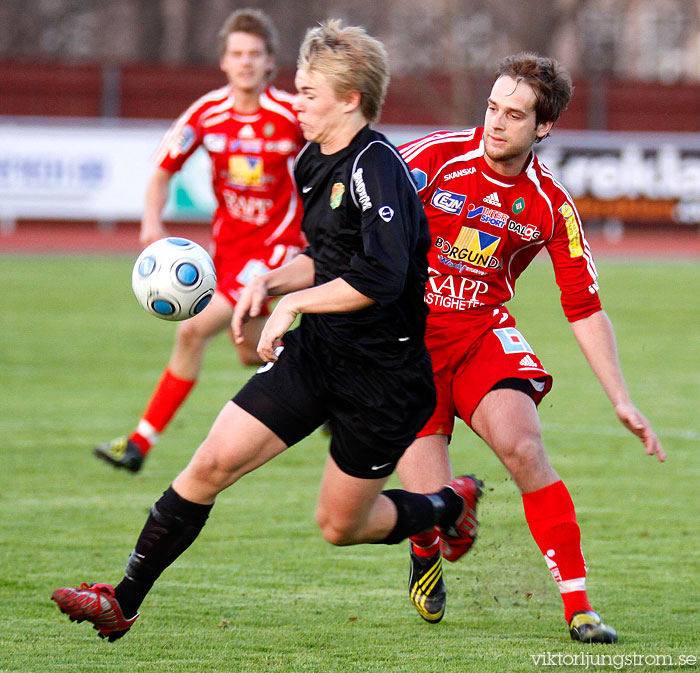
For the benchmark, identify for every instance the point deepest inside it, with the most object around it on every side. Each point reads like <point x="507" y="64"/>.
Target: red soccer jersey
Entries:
<point x="486" y="228"/>
<point x="252" y="158"/>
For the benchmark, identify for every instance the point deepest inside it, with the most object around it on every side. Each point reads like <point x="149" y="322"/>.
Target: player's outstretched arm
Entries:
<point x="596" y="338"/>
<point x="152" y="228"/>
<point x="296" y="275"/>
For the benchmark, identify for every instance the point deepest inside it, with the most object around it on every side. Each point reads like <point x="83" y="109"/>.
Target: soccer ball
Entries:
<point x="173" y="278"/>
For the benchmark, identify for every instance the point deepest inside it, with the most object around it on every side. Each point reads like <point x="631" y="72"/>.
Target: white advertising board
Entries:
<point x="89" y="171"/>
<point x="93" y="170"/>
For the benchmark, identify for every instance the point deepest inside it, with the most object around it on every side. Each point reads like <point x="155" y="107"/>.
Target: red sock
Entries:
<point x="144" y="444"/>
<point x="426" y="544"/>
<point x="551" y="516"/>
<point x="169" y="395"/>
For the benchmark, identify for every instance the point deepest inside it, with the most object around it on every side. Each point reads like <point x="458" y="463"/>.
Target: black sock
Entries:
<point x="172" y="526"/>
<point x="416" y="513"/>
<point x="448" y="507"/>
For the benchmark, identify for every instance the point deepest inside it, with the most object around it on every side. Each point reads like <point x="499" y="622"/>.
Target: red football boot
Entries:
<point x="459" y="538"/>
<point x="96" y="604"/>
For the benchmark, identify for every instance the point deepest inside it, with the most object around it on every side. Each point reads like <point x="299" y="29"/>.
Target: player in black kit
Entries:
<point x="357" y="359"/>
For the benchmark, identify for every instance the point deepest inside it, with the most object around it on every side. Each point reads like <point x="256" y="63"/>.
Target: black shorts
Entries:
<point x="523" y="385"/>
<point x="374" y="412"/>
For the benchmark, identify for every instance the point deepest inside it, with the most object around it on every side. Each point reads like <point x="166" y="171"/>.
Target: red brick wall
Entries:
<point x="158" y="92"/>
<point x="50" y="90"/>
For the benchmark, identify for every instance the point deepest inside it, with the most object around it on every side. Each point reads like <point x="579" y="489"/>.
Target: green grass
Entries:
<point x="261" y="590"/>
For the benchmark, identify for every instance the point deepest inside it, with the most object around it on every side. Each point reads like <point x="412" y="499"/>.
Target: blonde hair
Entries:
<point x="351" y="59"/>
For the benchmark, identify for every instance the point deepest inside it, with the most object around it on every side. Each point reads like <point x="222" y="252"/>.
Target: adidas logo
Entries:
<point x="492" y="199"/>
<point x="527" y="361"/>
<point x="247" y="132"/>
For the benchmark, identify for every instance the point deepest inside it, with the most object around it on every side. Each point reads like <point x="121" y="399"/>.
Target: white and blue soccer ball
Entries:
<point x="174" y="278"/>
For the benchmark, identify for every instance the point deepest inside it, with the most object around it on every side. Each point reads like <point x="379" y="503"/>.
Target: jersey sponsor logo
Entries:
<point x="336" y="194"/>
<point x="251" y="209"/>
<point x="463" y="172"/>
<point x="244" y="171"/>
<point x="459" y="267"/>
<point x="573" y="230"/>
<point x="492" y="199"/>
<point x="186" y="139"/>
<point x="306" y="189"/>
<point x="361" y="189"/>
<point x="251" y="146"/>
<point x="448" y="201"/>
<point x="528" y="232"/>
<point x="472" y="246"/>
<point x="473" y="211"/>
<point x="454" y="292"/>
<point x="420" y="178"/>
<point x="386" y="213"/>
<point x="512" y="341"/>
<point x="518" y="205"/>
<point x="284" y="146"/>
<point x="487" y="215"/>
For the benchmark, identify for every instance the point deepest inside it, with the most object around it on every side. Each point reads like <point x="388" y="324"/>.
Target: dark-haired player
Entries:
<point x="491" y="207"/>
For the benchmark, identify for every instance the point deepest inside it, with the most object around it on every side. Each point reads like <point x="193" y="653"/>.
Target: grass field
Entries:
<point x="261" y="590"/>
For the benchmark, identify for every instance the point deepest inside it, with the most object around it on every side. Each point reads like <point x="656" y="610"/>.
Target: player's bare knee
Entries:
<point x="190" y="336"/>
<point x="338" y="537"/>
<point x="207" y="468"/>
<point x="333" y="530"/>
<point x="525" y="455"/>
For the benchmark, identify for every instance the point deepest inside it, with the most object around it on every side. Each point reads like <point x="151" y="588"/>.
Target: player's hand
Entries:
<point x="249" y="305"/>
<point x="636" y="423"/>
<point x="280" y="320"/>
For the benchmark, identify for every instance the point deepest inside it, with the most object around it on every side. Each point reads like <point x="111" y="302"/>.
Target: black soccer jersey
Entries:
<point x="365" y="224"/>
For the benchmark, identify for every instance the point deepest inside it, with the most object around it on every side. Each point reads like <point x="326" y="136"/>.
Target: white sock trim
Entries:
<point x="145" y="429"/>
<point x="567" y="586"/>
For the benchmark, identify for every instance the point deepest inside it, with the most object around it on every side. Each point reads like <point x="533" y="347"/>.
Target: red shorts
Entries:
<point x="234" y="269"/>
<point x="470" y="356"/>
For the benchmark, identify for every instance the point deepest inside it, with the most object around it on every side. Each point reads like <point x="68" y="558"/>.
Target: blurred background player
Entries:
<point x="357" y="357"/>
<point x="491" y="207"/>
<point x="252" y="136"/>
